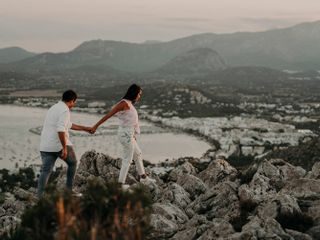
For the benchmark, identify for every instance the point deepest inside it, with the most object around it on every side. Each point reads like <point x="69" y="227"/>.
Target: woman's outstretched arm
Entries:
<point x="121" y="106"/>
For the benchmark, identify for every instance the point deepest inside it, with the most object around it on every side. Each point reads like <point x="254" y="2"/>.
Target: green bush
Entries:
<point x="104" y="212"/>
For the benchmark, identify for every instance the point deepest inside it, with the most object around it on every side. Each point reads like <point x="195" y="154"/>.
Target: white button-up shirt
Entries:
<point x="57" y="120"/>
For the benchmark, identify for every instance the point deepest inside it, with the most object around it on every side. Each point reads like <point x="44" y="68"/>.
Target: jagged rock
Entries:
<point x="162" y="227"/>
<point x="7" y="223"/>
<point x="259" y="189"/>
<point x="185" y="168"/>
<point x="176" y="194"/>
<point x="2" y="212"/>
<point x="22" y="194"/>
<point x="314" y="232"/>
<point x="242" y="236"/>
<point x="269" y="178"/>
<point x="265" y="228"/>
<point x="221" y="201"/>
<point x="247" y="196"/>
<point x="9" y="196"/>
<point x="287" y="205"/>
<point x="190" y="233"/>
<point x="154" y="189"/>
<point x="217" y="172"/>
<point x="315" y="171"/>
<point x="298" y="235"/>
<point x="302" y="188"/>
<point x="209" y="204"/>
<point x="282" y="204"/>
<point x="314" y="211"/>
<point x="193" y="228"/>
<point x="219" y="228"/>
<point x="193" y="185"/>
<point x="104" y="166"/>
<point x="279" y="171"/>
<point x="171" y="212"/>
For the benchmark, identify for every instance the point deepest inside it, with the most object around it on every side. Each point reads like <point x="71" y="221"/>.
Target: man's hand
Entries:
<point x="82" y="128"/>
<point x="93" y="129"/>
<point x="64" y="153"/>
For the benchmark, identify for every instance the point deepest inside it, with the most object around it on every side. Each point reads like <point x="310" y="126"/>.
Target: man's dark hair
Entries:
<point x="132" y="93"/>
<point x="69" y="95"/>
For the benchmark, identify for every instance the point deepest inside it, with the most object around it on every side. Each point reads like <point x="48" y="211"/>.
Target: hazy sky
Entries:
<point x="61" y="25"/>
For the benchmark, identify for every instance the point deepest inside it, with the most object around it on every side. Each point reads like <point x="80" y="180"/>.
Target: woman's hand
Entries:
<point x="93" y="129"/>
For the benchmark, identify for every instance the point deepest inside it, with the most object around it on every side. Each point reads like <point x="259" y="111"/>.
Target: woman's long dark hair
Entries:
<point x="132" y="93"/>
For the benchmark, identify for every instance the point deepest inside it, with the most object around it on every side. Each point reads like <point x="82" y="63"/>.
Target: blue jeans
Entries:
<point x="48" y="161"/>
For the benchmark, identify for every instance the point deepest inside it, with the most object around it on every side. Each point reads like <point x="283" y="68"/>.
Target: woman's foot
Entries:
<point x="125" y="187"/>
<point x="146" y="179"/>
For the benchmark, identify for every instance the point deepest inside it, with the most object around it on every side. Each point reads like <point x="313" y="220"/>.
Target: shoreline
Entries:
<point x="150" y="129"/>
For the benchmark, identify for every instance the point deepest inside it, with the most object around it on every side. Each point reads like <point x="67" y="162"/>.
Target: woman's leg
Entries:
<point x="137" y="156"/>
<point x="126" y="139"/>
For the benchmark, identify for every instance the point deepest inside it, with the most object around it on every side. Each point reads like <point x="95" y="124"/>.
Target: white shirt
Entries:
<point x="57" y="120"/>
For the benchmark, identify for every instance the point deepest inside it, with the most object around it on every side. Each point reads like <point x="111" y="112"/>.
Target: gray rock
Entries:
<point x="220" y="201"/>
<point x="217" y="172"/>
<point x="193" y="185"/>
<point x="242" y="236"/>
<point x="298" y="235"/>
<point x="22" y="194"/>
<point x="104" y="166"/>
<point x="315" y="171"/>
<point x="218" y="228"/>
<point x="314" y="211"/>
<point x="162" y="227"/>
<point x="8" y="223"/>
<point x="194" y="228"/>
<point x="185" y="168"/>
<point x="171" y="212"/>
<point x="282" y="204"/>
<point x="314" y="232"/>
<point x="176" y="194"/>
<point x="266" y="228"/>
<point x="2" y="212"/>
<point x="302" y="188"/>
<point x="270" y="177"/>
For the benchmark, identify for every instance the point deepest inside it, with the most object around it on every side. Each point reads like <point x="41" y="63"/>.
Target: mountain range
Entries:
<point x="12" y="54"/>
<point x="294" y="48"/>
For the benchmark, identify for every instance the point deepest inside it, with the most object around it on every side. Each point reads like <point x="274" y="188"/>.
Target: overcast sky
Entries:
<point x="61" y="25"/>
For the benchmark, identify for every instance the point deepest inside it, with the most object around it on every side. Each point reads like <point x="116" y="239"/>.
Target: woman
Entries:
<point x="128" y="129"/>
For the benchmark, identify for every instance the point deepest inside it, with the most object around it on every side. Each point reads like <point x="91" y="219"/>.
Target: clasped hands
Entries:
<point x="91" y="130"/>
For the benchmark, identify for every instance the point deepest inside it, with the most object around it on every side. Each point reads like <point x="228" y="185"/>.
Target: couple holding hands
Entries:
<point x="55" y="140"/>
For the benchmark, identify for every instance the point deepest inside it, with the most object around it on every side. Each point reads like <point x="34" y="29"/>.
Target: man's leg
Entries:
<point x="71" y="161"/>
<point x="48" y="161"/>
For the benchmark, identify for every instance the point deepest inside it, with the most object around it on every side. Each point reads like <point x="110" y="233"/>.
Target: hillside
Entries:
<point x="12" y="54"/>
<point x="288" y="48"/>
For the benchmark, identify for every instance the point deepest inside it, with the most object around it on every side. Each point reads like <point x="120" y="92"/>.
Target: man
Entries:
<point x="55" y="140"/>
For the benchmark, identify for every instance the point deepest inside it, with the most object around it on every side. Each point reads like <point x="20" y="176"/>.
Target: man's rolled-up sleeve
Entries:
<point x="63" y="122"/>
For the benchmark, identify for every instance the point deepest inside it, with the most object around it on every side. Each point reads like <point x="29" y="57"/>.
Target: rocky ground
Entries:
<point x="207" y="198"/>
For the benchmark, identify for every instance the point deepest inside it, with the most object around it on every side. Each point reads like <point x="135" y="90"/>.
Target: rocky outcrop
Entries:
<point x="271" y="200"/>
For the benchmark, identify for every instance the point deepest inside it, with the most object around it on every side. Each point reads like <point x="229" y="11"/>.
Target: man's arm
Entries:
<point x="63" y="140"/>
<point x="80" y="128"/>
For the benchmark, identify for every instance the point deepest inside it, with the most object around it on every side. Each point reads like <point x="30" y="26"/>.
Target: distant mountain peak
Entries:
<point x="12" y="54"/>
<point x="195" y="61"/>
